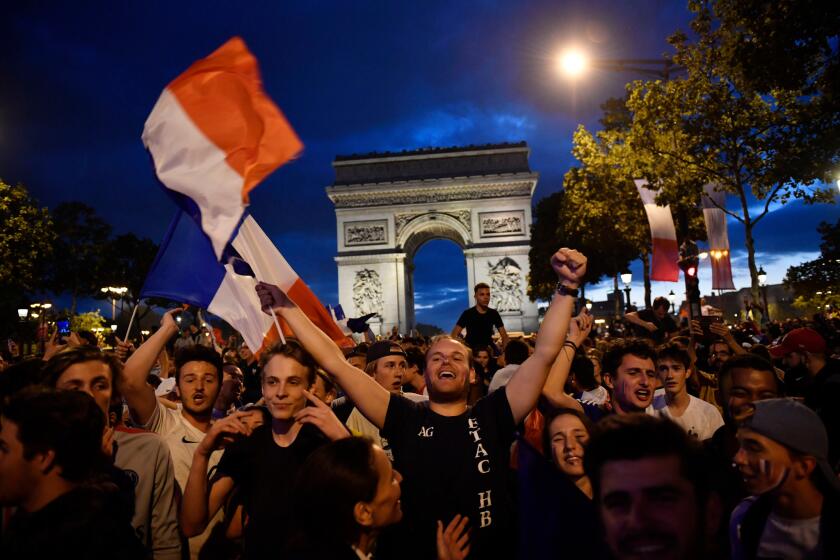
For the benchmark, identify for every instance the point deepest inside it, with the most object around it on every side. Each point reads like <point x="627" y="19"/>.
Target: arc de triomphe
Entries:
<point x="387" y="205"/>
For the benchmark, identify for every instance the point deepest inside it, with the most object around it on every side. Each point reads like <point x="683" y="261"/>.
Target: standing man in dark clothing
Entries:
<point x="654" y="323"/>
<point x="480" y="320"/>
<point x="809" y="373"/>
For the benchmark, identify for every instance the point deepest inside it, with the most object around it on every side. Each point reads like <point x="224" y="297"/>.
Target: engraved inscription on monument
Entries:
<point x="506" y="285"/>
<point x="496" y="224"/>
<point x="367" y="292"/>
<point x="365" y="233"/>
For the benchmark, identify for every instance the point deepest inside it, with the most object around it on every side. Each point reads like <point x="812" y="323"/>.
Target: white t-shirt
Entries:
<point x="790" y="538"/>
<point x="183" y="438"/>
<point x="700" y="419"/>
<point x="502" y="377"/>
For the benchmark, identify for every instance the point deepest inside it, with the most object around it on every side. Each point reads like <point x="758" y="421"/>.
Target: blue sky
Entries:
<point x="352" y="77"/>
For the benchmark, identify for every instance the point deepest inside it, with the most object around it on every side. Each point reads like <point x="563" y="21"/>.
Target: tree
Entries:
<point x="80" y="249"/>
<point x="128" y="260"/>
<point x="817" y="283"/>
<point x="752" y="137"/>
<point x="26" y="238"/>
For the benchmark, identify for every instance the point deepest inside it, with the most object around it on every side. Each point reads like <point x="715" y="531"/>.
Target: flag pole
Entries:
<point x="131" y="321"/>
<point x="277" y="324"/>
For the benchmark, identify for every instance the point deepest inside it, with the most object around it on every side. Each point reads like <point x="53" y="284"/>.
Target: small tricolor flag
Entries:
<point x="664" y="265"/>
<point x="716" y="232"/>
<point x="214" y="135"/>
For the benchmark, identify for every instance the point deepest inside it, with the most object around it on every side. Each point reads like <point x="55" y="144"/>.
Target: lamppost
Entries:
<point x="39" y="311"/>
<point x="114" y="291"/>
<point x="762" y="282"/>
<point x="626" y="278"/>
<point x="672" y="297"/>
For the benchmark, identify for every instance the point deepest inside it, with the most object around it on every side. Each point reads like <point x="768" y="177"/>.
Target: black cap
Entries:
<point x="384" y="348"/>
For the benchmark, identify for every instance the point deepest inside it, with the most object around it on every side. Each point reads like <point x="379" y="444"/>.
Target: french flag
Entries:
<point x="664" y="265"/>
<point x="214" y="135"/>
<point x="186" y="270"/>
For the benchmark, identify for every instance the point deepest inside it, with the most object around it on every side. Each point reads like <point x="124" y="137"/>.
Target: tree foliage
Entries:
<point x="26" y="237"/>
<point x="128" y="259"/>
<point x="750" y="134"/>
<point x="80" y="251"/>
<point x="817" y="282"/>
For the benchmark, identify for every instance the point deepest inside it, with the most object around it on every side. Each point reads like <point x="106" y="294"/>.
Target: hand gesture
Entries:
<point x="272" y="298"/>
<point x="224" y="432"/>
<point x="569" y="265"/>
<point x="696" y="328"/>
<point x="168" y="320"/>
<point x="123" y="349"/>
<point x="108" y="442"/>
<point x="322" y="417"/>
<point x="649" y="326"/>
<point x="453" y="543"/>
<point x="580" y="327"/>
<point x="722" y="331"/>
<point x="52" y="346"/>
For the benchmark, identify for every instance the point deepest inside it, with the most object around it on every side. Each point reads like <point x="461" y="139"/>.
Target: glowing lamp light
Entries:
<point x="703" y="255"/>
<point x="762" y="276"/>
<point x="572" y="62"/>
<point x="22" y="313"/>
<point x="691" y="271"/>
<point x="627" y="277"/>
<point x="113" y="327"/>
<point x="589" y="306"/>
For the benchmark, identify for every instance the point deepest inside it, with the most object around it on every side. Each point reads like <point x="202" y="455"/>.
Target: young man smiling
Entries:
<point x="454" y="458"/>
<point x="697" y="417"/>
<point x="262" y="461"/>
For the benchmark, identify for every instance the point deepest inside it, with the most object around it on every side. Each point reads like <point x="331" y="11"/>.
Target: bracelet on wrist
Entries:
<point x="571" y="344"/>
<point x="564" y="290"/>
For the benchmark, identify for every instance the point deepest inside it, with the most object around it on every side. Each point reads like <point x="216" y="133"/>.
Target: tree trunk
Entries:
<point x="73" y="304"/>
<point x="748" y="241"/>
<point x="646" y="271"/>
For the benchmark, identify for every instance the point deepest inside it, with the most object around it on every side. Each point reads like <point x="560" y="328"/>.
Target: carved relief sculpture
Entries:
<point x="367" y="292"/>
<point x="501" y="223"/>
<point x="365" y="233"/>
<point x="506" y="285"/>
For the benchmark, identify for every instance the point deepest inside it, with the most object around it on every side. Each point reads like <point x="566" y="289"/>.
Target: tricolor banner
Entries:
<point x="718" y="236"/>
<point x="186" y="270"/>
<point x="214" y="135"/>
<point x="664" y="265"/>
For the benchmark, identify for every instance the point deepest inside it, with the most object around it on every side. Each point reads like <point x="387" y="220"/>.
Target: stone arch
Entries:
<point x="389" y="204"/>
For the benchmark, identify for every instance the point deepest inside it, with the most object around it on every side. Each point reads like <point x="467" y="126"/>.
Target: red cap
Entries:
<point x="799" y="340"/>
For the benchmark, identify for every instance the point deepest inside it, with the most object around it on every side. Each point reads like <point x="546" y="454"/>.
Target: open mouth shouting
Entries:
<point x="446" y="374"/>
<point x="644" y="395"/>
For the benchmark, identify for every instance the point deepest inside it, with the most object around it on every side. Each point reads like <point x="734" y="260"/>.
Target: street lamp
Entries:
<point x="588" y="305"/>
<point x="672" y="297"/>
<point x="573" y="62"/>
<point x="22" y="313"/>
<point x="626" y="278"/>
<point x="762" y="282"/>
<point x="115" y="292"/>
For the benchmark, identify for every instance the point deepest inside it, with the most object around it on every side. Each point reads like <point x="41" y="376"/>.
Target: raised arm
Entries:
<point x="554" y="388"/>
<point x="633" y="317"/>
<point x="139" y="395"/>
<point x="504" y="336"/>
<point x="371" y="398"/>
<point x="525" y="386"/>
<point x="202" y="499"/>
<point x="456" y="331"/>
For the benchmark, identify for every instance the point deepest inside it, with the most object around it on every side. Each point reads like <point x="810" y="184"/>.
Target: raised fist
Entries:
<point x="570" y="266"/>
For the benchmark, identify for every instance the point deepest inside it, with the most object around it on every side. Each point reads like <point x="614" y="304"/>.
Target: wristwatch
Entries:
<point x="564" y="290"/>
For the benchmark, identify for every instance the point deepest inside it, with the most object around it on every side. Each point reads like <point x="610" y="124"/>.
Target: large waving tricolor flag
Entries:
<point x="186" y="270"/>
<point x="214" y="135"/>
<point x="714" y="201"/>
<point x="666" y="254"/>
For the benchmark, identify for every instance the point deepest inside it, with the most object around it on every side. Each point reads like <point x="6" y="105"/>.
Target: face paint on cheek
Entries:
<point x="773" y="475"/>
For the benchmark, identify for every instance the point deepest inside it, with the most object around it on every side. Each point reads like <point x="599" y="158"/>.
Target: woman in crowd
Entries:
<point x="556" y="497"/>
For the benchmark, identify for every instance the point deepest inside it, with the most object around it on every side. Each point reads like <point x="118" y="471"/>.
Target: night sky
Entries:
<point x="79" y="79"/>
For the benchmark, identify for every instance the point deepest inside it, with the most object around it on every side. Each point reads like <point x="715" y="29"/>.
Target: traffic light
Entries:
<point x="689" y="263"/>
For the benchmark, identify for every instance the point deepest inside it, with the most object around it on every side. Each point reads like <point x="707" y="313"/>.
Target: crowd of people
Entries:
<point x="702" y="441"/>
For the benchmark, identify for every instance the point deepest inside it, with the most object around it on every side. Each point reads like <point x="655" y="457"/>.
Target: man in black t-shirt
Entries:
<point x="480" y="320"/>
<point x="262" y="462"/>
<point x="654" y="323"/>
<point x="454" y="459"/>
